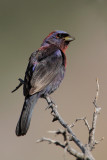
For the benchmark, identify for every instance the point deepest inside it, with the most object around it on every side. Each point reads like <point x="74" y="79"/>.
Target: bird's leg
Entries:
<point x="20" y="84"/>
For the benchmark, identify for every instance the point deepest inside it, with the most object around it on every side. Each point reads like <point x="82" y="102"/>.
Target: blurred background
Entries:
<point x="23" y="26"/>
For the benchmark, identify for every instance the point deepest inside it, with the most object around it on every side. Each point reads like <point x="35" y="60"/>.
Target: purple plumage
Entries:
<point x="44" y="74"/>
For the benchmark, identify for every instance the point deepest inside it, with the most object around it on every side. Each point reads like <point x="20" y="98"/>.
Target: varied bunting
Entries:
<point x="44" y="73"/>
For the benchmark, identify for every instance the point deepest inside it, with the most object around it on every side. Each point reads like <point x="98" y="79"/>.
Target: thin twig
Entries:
<point x="51" y="141"/>
<point x="79" y="119"/>
<point x="97" y="94"/>
<point x="94" y="121"/>
<point x="60" y="132"/>
<point x="68" y="148"/>
<point x="97" y="142"/>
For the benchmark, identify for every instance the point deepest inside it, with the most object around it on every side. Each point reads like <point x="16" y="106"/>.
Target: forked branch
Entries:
<point x="68" y="134"/>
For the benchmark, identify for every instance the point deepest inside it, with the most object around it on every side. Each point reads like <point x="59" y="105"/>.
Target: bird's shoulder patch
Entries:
<point x="44" y="51"/>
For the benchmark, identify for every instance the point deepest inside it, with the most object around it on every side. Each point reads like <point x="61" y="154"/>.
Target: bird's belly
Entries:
<point x="55" y="83"/>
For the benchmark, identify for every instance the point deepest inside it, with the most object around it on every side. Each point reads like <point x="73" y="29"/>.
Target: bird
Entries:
<point x="44" y="73"/>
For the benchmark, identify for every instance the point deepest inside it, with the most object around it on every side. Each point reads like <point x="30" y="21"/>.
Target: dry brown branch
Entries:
<point x="79" y="119"/>
<point x="69" y="135"/>
<point x="97" y="109"/>
<point x="57" y="116"/>
<point x="60" y="132"/>
<point x="68" y="148"/>
<point x="51" y="141"/>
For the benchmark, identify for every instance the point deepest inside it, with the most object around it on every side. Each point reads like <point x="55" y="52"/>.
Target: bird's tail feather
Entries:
<point x="25" y="117"/>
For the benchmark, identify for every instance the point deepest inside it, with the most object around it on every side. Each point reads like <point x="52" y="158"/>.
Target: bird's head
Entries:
<point x="60" y="39"/>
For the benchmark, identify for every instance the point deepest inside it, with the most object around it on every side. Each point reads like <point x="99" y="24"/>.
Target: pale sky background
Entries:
<point x="23" y="26"/>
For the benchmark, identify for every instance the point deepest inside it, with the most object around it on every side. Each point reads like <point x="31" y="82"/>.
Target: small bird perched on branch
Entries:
<point x="44" y="73"/>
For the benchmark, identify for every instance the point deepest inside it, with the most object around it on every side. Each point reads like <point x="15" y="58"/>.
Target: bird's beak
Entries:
<point x="69" y="38"/>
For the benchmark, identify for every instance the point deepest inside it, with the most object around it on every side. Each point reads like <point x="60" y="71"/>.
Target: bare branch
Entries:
<point x="51" y="141"/>
<point x="63" y="123"/>
<point x="97" y="93"/>
<point x="60" y="132"/>
<point x="94" y="121"/>
<point x="86" y="123"/>
<point x="97" y="142"/>
<point x="79" y="119"/>
<point x="68" y="148"/>
<point x="56" y="115"/>
<point x="69" y="135"/>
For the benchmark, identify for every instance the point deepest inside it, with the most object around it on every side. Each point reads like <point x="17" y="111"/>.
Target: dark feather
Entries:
<point x="44" y="74"/>
<point x="44" y="66"/>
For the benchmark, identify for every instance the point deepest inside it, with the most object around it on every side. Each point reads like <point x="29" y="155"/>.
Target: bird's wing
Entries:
<point x="43" y="72"/>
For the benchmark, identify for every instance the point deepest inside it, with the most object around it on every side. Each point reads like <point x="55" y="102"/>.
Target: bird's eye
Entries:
<point x="62" y="35"/>
<point x="59" y="35"/>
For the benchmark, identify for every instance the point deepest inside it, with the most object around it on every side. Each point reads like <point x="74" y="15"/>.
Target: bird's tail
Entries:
<point x="25" y="117"/>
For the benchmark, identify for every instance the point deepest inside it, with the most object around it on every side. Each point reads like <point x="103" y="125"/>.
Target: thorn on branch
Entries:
<point x="69" y="135"/>
<point x="66" y="147"/>
<point x="54" y="119"/>
<point x="50" y="141"/>
<point x="70" y="138"/>
<point x="55" y="113"/>
<point x="61" y="132"/>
